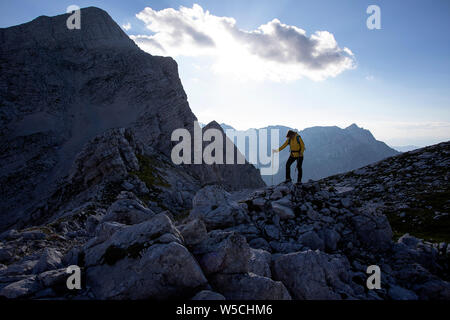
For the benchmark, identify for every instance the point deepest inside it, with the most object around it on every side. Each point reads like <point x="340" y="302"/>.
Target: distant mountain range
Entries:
<point x="405" y="148"/>
<point x="329" y="150"/>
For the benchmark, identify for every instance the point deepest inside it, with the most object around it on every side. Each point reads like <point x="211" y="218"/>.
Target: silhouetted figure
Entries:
<point x="297" y="147"/>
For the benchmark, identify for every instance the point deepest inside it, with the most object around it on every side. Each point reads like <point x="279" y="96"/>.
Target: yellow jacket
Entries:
<point x="297" y="146"/>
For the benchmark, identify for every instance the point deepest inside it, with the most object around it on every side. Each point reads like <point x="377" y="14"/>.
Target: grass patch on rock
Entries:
<point x="419" y="219"/>
<point x="148" y="172"/>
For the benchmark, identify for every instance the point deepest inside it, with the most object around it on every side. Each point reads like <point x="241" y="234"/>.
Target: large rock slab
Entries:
<point x="283" y="211"/>
<point x="223" y="252"/>
<point x="373" y="230"/>
<point x="50" y="259"/>
<point x="163" y="271"/>
<point x="217" y="209"/>
<point x="127" y="211"/>
<point x="144" y="261"/>
<point x="260" y="263"/>
<point x="193" y="232"/>
<point x="311" y="240"/>
<point x="21" y="289"/>
<point x="314" y="275"/>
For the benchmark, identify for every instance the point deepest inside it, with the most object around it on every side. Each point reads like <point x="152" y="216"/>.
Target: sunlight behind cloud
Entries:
<point x="274" y="51"/>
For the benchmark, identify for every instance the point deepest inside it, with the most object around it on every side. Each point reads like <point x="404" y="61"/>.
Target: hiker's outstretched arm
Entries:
<point x="284" y="146"/>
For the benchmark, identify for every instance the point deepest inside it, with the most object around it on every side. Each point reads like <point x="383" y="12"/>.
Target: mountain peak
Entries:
<point x="213" y="125"/>
<point x="354" y="126"/>
<point x="97" y="29"/>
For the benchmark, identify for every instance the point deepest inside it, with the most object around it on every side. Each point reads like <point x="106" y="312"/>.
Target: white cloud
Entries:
<point x="274" y="51"/>
<point x="370" y="78"/>
<point x="127" y="26"/>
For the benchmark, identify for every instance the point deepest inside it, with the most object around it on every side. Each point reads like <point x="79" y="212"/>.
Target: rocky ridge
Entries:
<point x="313" y="241"/>
<point x="411" y="189"/>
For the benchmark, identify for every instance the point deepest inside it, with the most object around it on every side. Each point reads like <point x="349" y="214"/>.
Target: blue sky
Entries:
<point x="398" y="86"/>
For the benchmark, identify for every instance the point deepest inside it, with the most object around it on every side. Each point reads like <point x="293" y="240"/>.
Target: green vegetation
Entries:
<point x="43" y="229"/>
<point x="182" y="215"/>
<point x="418" y="220"/>
<point x="148" y="172"/>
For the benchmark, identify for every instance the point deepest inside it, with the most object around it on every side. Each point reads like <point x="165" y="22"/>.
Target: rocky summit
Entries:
<point x="311" y="241"/>
<point x="62" y="91"/>
<point x="87" y="181"/>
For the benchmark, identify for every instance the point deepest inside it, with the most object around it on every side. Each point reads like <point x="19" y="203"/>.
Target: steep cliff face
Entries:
<point x="60" y="88"/>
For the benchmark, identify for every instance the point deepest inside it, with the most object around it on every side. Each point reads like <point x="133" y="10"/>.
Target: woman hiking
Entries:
<point x="297" y="147"/>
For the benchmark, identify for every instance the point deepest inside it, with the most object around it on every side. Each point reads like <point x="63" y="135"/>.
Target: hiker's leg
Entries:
<point x="300" y="169"/>
<point x="288" y="168"/>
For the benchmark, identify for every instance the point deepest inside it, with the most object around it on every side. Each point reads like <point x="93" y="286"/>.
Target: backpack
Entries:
<point x="298" y="140"/>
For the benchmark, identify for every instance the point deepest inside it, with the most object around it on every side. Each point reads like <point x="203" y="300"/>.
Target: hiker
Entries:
<point x="297" y="149"/>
